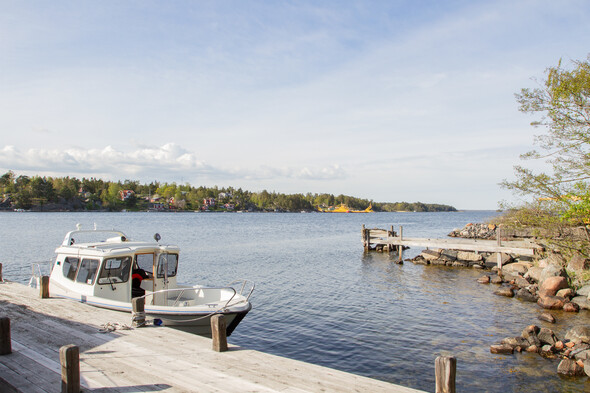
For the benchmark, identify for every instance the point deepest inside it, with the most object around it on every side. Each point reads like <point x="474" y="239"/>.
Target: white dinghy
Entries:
<point x="110" y="272"/>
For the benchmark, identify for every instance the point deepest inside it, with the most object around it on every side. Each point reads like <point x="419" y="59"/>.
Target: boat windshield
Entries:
<point x="115" y="270"/>
<point x="167" y="265"/>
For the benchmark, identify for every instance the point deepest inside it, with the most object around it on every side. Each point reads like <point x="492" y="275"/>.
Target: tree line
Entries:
<point x="69" y="193"/>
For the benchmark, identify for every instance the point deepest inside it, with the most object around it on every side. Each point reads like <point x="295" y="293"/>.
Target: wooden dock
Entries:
<point x="148" y="359"/>
<point x="390" y="240"/>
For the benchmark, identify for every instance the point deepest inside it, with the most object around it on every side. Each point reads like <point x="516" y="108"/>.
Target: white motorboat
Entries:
<point x="110" y="272"/>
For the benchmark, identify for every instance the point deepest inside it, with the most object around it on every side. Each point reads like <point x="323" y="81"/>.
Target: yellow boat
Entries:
<point x="344" y="209"/>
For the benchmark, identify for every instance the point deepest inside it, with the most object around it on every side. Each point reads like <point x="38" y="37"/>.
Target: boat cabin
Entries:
<point x="116" y="269"/>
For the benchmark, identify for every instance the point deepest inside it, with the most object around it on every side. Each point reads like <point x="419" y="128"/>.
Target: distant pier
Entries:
<point x="390" y="240"/>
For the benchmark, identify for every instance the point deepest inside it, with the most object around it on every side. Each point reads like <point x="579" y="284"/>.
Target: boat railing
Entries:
<point x="245" y="285"/>
<point x="37" y="272"/>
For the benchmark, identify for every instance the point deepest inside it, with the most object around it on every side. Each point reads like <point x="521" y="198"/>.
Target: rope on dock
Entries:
<point x="112" y="326"/>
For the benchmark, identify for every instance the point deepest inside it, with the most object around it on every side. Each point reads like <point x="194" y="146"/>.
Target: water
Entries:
<point x="321" y="299"/>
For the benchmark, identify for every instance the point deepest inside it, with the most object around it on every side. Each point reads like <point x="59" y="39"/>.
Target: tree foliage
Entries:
<point x="562" y="105"/>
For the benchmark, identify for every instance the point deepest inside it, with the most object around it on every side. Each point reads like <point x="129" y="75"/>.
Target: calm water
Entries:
<point x="320" y="299"/>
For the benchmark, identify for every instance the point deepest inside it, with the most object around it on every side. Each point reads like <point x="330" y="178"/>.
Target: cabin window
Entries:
<point x="115" y="270"/>
<point x="70" y="267"/>
<point x="145" y="262"/>
<point x="87" y="271"/>
<point x="168" y="263"/>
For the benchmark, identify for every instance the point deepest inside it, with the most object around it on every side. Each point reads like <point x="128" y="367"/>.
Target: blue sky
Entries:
<point x="385" y="100"/>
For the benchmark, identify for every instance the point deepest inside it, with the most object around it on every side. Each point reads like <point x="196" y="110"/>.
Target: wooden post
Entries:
<point x="401" y="233"/>
<point x="218" y="333"/>
<point x="138" y="314"/>
<point x="364" y="237"/>
<point x="5" y="342"/>
<point x="445" y="370"/>
<point x="1" y="279"/>
<point x="69" y="357"/>
<point x="44" y="287"/>
<point x="499" y="242"/>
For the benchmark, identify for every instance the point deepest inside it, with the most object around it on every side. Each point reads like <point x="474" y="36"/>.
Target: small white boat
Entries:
<point x="112" y="271"/>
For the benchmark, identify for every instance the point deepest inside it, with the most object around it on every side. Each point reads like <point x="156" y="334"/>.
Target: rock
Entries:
<point x="547" y="352"/>
<point x="547" y="336"/>
<point x="526" y="295"/>
<point x="556" y="259"/>
<point x="437" y="262"/>
<point x="584" y="354"/>
<point x="448" y="255"/>
<point x="578" y="263"/>
<point x="501" y="349"/>
<point x="493" y="258"/>
<point x="581" y="301"/>
<point x="530" y="334"/>
<point x="547" y="317"/>
<point x="519" y="268"/>
<point x="559" y="345"/>
<point x="532" y="348"/>
<point x="583" y="291"/>
<point x="534" y="273"/>
<point x="571" y="307"/>
<point x="570" y="344"/>
<point x="552" y="271"/>
<point x="477" y="266"/>
<point x="484" y="280"/>
<point x="469" y="256"/>
<point x="430" y="255"/>
<point x="419" y="261"/>
<point x="496" y="280"/>
<point x="551" y="302"/>
<point x="504" y="291"/>
<point x="551" y="285"/>
<point x="460" y="264"/>
<point x="515" y="341"/>
<point x="579" y="334"/>
<point x="587" y="367"/>
<point x="521" y="282"/>
<point x="570" y="368"/>
<point x="567" y="293"/>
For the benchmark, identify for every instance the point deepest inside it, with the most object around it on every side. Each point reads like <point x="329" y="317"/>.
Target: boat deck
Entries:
<point x="150" y="359"/>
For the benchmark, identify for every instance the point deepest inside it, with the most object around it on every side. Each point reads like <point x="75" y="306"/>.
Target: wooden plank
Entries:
<point x="481" y="246"/>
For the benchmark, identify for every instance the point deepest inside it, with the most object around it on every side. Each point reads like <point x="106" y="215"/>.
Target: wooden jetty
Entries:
<point x="389" y="240"/>
<point x="148" y="359"/>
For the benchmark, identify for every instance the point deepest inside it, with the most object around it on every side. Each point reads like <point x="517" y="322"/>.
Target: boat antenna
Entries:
<point x="157" y="237"/>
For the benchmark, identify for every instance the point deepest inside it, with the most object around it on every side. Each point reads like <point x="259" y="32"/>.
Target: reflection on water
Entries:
<point x="319" y="298"/>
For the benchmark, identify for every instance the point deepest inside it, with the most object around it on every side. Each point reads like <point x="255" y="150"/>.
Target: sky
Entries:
<point x="385" y="100"/>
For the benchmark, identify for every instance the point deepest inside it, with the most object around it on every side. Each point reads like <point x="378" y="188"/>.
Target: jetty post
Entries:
<point x="5" y="342"/>
<point x="138" y="312"/>
<point x="445" y="370"/>
<point x="218" y="333"/>
<point x="69" y="357"/>
<point x="44" y="287"/>
<point x="1" y="273"/>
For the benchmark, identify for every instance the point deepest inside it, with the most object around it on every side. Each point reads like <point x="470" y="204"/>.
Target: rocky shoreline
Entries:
<point x="553" y="282"/>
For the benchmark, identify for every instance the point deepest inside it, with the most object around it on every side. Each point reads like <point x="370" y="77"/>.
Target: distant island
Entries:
<point x="38" y="193"/>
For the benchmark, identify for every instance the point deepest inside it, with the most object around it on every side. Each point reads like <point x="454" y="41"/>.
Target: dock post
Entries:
<point x="5" y="342"/>
<point x="445" y="370"/>
<point x="138" y="313"/>
<point x="44" y="287"/>
<point x="69" y="357"/>
<point x="499" y="241"/>
<point x="1" y="279"/>
<point x="364" y="237"/>
<point x="401" y="233"/>
<point x="218" y="333"/>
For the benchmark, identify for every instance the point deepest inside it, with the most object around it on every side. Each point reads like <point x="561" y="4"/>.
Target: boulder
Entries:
<point x="556" y="259"/>
<point x="578" y="334"/>
<point x="517" y="268"/>
<point x="419" y="261"/>
<point x="493" y="258"/>
<point x="430" y="255"/>
<point x="552" y="271"/>
<point x="551" y="285"/>
<point x="504" y="291"/>
<point x="571" y="307"/>
<point x="534" y="273"/>
<point x="547" y="317"/>
<point x="448" y="255"/>
<point x="484" y="280"/>
<point x="526" y="295"/>
<point x="501" y="349"/>
<point x="578" y="263"/>
<point x="584" y="354"/>
<point x="570" y="368"/>
<point x="583" y="291"/>
<point x="438" y="262"/>
<point x="469" y="256"/>
<point x="496" y="280"/>
<point x="547" y="336"/>
<point x="460" y="264"/>
<point x="530" y="334"/>
<point x="587" y="367"/>
<point x="515" y="342"/>
<point x="551" y="302"/>
<point x="581" y="301"/>
<point x="567" y="293"/>
<point x="521" y="282"/>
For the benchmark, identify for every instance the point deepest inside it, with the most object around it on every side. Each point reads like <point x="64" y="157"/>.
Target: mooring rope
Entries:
<point x="112" y="326"/>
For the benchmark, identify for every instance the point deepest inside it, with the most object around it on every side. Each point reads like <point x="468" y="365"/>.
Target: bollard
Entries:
<point x="44" y="287"/>
<point x="5" y="342"/>
<point x="218" y="333"/>
<point x="138" y="314"/>
<point x="69" y="357"/>
<point x="445" y="370"/>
